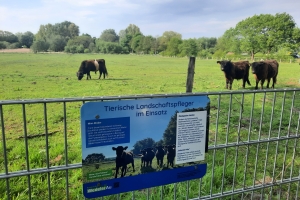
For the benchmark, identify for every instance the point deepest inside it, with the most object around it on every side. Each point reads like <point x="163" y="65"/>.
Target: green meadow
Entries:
<point x="233" y="117"/>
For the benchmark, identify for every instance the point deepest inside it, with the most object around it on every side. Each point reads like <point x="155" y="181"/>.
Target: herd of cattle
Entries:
<point x="124" y="158"/>
<point x="262" y="70"/>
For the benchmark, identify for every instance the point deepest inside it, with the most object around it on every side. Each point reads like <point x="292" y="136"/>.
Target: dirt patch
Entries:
<point x="19" y="50"/>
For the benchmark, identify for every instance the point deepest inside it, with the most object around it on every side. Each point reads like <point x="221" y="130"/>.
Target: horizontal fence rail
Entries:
<point x="253" y="148"/>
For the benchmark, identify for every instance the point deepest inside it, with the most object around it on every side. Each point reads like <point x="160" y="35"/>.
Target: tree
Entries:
<point x="39" y="45"/>
<point x="133" y="30"/>
<point x="94" y="158"/>
<point x="8" y="37"/>
<point x="264" y="33"/>
<point x="136" y="43"/>
<point x="108" y="47"/>
<point x="155" y="45"/>
<point x="81" y="40"/>
<point x="122" y="34"/>
<point x="57" y="43"/>
<point x="142" y="144"/>
<point x="109" y="35"/>
<point x="279" y="30"/>
<point x="147" y="43"/>
<point x="26" y="39"/>
<point x="125" y="43"/>
<point x="295" y="43"/>
<point x="229" y="42"/>
<point x="188" y="48"/>
<point x="166" y="37"/>
<point x="59" y="31"/>
<point x="127" y="36"/>
<point x="173" y="47"/>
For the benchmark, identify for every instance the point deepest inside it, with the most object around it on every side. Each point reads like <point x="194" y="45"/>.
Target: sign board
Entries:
<point x="135" y="144"/>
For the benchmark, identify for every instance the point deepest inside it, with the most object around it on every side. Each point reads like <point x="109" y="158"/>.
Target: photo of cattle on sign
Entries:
<point x="123" y="158"/>
<point x="87" y="66"/>
<point x="235" y="70"/>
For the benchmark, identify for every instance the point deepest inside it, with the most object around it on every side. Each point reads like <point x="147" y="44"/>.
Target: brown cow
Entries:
<point x="235" y="70"/>
<point x="92" y="65"/>
<point x="265" y="70"/>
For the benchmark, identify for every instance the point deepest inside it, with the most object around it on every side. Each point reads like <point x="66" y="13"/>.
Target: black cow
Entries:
<point x="87" y="66"/>
<point x="160" y="153"/>
<point x="143" y="158"/>
<point x="123" y="159"/>
<point x="235" y="70"/>
<point x="265" y="70"/>
<point x="171" y="155"/>
<point x="149" y="156"/>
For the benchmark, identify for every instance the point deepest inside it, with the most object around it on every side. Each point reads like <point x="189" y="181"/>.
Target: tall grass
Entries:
<point x="34" y="76"/>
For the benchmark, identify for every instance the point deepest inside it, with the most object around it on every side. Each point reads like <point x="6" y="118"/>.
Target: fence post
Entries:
<point x="190" y="75"/>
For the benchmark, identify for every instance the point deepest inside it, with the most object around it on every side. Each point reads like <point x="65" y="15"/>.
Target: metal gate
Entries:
<point x="253" y="148"/>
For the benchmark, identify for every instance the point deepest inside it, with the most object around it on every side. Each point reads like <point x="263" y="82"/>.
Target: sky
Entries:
<point x="190" y="18"/>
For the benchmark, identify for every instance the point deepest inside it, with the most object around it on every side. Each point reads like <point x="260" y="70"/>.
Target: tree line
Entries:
<point x="259" y="34"/>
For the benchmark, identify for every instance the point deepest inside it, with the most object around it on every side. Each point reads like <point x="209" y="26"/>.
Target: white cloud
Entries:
<point x="193" y="18"/>
<point x="78" y="2"/>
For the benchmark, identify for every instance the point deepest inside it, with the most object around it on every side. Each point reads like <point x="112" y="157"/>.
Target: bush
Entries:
<point x="39" y="45"/>
<point x="86" y="51"/>
<point x="2" y="45"/>
<point x="219" y="54"/>
<point x="14" y="45"/>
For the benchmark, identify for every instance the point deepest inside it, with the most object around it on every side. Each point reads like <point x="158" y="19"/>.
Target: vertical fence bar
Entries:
<point x="269" y="136"/>
<point x="291" y="112"/>
<point x="66" y="149"/>
<point x="174" y="191"/>
<point x="258" y="145"/>
<point x="284" y="160"/>
<point x="200" y="187"/>
<point x="277" y="143"/>
<point x="187" y="189"/>
<point x="26" y="149"/>
<point x="297" y="132"/>
<point x="215" y="144"/>
<point x="4" y="152"/>
<point x="249" y="134"/>
<point x="238" y="141"/>
<point x="47" y="150"/>
<point x="286" y="147"/>
<point x="293" y="157"/>
<point x="226" y="142"/>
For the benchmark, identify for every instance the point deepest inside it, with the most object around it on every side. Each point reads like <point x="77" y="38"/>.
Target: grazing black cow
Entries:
<point x="235" y="70"/>
<point x="265" y="70"/>
<point x="87" y="66"/>
<point x="160" y="153"/>
<point x="170" y="155"/>
<point x="149" y="156"/>
<point x="123" y="159"/>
